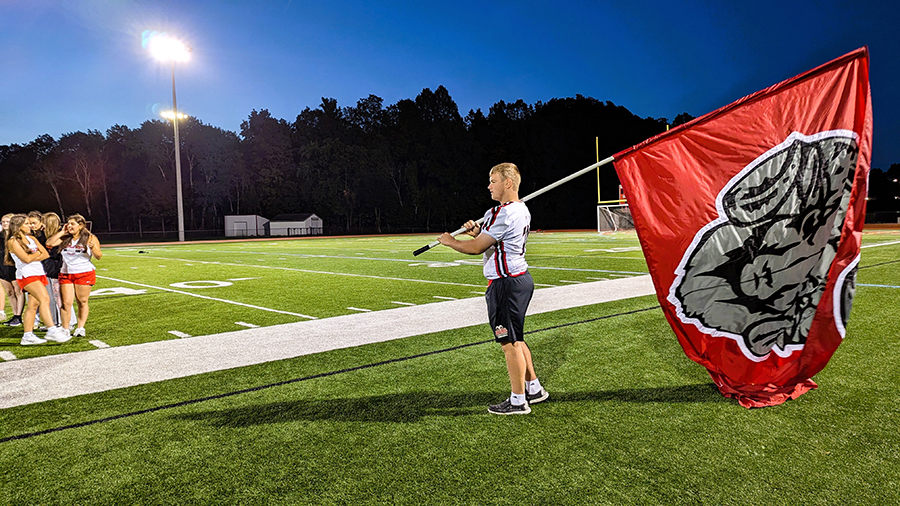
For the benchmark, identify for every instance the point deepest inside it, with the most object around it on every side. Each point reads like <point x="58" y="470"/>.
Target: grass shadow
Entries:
<point x="411" y="407"/>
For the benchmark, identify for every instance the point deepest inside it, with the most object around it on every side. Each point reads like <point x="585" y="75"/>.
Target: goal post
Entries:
<point x="614" y="216"/>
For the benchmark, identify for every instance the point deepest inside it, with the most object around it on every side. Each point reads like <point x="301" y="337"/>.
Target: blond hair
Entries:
<point x="508" y="171"/>
<point x="51" y="224"/>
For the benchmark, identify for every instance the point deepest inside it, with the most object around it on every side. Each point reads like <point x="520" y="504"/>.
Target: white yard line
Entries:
<point x="7" y="355"/>
<point x="179" y="334"/>
<point x="626" y="273"/>
<point x="405" y="260"/>
<point x="248" y="325"/>
<point x="880" y="244"/>
<point x="402" y="303"/>
<point x="359" y="309"/>
<point x="99" y="344"/>
<point x="208" y="298"/>
<point x="308" y="271"/>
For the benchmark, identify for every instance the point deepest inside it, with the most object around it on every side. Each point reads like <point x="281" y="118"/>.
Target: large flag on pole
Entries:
<point x="750" y="218"/>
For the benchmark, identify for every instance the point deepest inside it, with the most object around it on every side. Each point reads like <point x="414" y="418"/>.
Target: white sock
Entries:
<point x="517" y="399"/>
<point x="533" y="386"/>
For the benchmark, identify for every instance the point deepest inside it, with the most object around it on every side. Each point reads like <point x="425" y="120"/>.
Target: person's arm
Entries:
<point x="481" y="243"/>
<point x="94" y="245"/>
<point x="27" y="256"/>
<point x="55" y="239"/>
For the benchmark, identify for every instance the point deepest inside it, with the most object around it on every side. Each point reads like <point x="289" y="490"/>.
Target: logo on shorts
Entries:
<point x="500" y="332"/>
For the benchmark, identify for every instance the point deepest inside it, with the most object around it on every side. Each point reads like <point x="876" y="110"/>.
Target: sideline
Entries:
<point x="67" y="375"/>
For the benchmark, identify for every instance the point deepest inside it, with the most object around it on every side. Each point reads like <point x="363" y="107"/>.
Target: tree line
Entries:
<point x="413" y="166"/>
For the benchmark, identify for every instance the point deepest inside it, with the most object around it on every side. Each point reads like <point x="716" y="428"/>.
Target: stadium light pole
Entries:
<point x="165" y="48"/>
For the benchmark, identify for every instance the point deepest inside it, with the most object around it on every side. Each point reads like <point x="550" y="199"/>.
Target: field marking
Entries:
<point x="404" y="260"/>
<point x="878" y="286"/>
<point x="359" y="309"/>
<point x="598" y="279"/>
<point x="402" y="303"/>
<point x="623" y="273"/>
<point x="99" y="344"/>
<point x="209" y="298"/>
<point x="179" y="334"/>
<point x="193" y="284"/>
<point x="245" y="324"/>
<point x="7" y="355"/>
<point x="880" y="244"/>
<point x="615" y="250"/>
<point x="567" y="281"/>
<point x="308" y="271"/>
<point x="444" y="298"/>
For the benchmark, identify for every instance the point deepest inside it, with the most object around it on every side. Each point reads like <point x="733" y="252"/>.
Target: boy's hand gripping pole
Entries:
<point x="460" y="230"/>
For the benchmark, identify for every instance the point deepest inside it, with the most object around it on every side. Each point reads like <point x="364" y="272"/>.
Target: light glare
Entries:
<point x="171" y="115"/>
<point x="166" y="48"/>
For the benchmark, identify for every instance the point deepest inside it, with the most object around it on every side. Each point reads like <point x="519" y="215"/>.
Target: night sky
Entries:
<point x="80" y="65"/>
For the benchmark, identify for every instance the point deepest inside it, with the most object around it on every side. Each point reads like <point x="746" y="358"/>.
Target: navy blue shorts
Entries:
<point x="507" y="301"/>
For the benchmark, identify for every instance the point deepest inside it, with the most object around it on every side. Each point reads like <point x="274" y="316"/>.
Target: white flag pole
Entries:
<point x="543" y="190"/>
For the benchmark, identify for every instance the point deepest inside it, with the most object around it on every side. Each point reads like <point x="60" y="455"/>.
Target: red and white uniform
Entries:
<point x="26" y="270"/>
<point x="509" y="224"/>
<point x="76" y="259"/>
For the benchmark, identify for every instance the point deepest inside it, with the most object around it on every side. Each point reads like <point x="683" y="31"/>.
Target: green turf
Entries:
<point x="630" y="419"/>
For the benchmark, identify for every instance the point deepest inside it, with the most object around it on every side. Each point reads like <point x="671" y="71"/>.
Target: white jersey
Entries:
<point x="25" y="270"/>
<point x="76" y="259"/>
<point x="509" y="224"/>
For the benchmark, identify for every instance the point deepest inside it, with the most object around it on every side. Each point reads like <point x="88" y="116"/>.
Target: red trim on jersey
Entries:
<point x="495" y="210"/>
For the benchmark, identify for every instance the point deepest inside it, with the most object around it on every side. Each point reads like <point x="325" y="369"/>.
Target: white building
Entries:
<point x="296" y="224"/>
<point x="246" y="225"/>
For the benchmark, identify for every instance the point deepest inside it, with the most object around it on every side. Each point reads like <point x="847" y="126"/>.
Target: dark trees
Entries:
<point x="414" y="165"/>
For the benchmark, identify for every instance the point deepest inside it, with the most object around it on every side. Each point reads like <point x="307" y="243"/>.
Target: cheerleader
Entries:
<point x="23" y="251"/>
<point x="8" y="279"/>
<point x="78" y="245"/>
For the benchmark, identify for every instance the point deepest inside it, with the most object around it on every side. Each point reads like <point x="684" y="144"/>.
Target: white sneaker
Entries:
<point x="57" y="334"/>
<point x="30" y="338"/>
<point x="79" y="332"/>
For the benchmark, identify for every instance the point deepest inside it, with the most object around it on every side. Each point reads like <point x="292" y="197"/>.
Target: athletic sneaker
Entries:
<point x="508" y="408"/>
<point x="57" y="334"/>
<point x="537" y="397"/>
<point x="15" y="321"/>
<point x="79" y="332"/>
<point x="30" y="338"/>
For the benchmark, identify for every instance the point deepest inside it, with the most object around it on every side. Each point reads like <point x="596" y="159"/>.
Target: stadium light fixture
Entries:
<point x="170" y="115"/>
<point x="166" y="48"/>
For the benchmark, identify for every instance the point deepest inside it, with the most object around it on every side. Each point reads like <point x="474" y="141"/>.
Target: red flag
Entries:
<point x="750" y="219"/>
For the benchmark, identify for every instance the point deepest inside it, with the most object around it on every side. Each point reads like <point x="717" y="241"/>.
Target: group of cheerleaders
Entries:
<point x="49" y="264"/>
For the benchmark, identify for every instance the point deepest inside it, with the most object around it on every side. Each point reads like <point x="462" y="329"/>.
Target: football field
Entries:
<point x="403" y="421"/>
